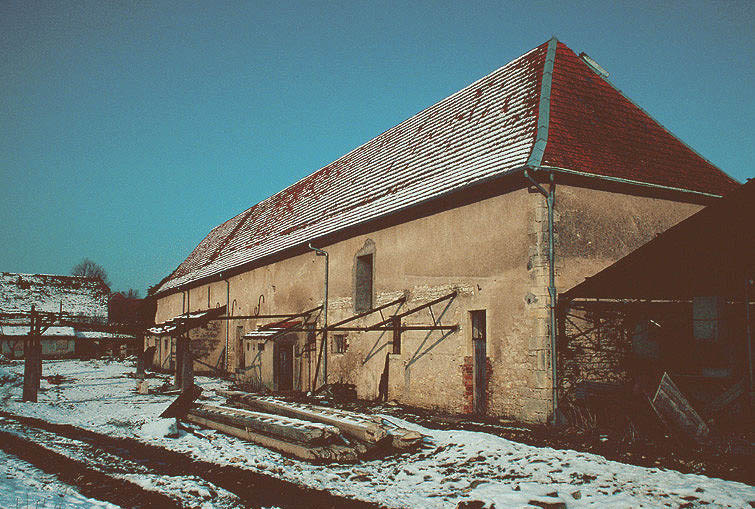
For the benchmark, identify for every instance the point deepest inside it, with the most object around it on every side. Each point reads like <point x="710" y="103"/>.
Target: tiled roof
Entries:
<point x="483" y="131"/>
<point x="78" y="296"/>
<point x="595" y="129"/>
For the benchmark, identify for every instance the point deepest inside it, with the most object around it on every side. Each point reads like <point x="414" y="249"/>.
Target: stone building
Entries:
<point x="454" y="199"/>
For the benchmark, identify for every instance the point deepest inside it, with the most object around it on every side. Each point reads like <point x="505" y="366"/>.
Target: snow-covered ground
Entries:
<point x="455" y="466"/>
<point x="24" y="486"/>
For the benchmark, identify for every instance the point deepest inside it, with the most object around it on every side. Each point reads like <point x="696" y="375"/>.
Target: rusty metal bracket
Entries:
<point x="417" y="355"/>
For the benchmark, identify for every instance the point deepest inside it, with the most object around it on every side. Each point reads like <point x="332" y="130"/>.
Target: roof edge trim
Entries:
<point x="543" y="116"/>
<point x="627" y="181"/>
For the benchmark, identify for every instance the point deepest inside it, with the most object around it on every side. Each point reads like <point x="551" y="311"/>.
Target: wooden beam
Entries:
<point x="317" y="454"/>
<point x="284" y="428"/>
<point x="368" y="432"/>
<point x="369" y="312"/>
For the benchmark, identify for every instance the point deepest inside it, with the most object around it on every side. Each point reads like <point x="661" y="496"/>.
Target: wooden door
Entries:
<point x="479" y="339"/>
<point x="283" y="367"/>
<point x="240" y="364"/>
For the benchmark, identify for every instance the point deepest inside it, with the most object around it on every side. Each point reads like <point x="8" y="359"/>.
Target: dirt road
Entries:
<point x="133" y="474"/>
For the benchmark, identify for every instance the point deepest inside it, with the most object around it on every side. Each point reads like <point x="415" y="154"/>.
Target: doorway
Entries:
<point x="240" y="362"/>
<point x="283" y="364"/>
<point x="480" y="378"/>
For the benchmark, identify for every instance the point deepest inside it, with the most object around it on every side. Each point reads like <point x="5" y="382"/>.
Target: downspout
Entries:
<point x="533" y="163"/>
<point x="320" y="252"/>
<point x="227" y="322"/>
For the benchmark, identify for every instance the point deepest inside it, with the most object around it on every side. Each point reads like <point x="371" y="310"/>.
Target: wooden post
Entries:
<point x="325" y="356"/>
<point x="38" y="354"/>
<point x="187" y="365"/>
<point x="178" y="360"/>
<point x="140" y="356"/>
<point x="32" y="370"/>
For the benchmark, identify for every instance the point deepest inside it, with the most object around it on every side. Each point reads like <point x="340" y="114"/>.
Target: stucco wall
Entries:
<point x="493" y="253"/>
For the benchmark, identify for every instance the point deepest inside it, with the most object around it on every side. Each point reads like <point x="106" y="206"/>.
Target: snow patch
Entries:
<point x="453" y="466"/>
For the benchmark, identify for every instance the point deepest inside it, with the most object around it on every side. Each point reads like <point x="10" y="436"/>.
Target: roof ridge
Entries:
<point x="543" y="116"/>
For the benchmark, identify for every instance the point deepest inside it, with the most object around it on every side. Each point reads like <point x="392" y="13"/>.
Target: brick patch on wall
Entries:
<point x="467" y="373"/>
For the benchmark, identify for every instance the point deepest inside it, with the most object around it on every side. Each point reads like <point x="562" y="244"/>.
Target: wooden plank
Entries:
<point x="284" y="428"/>
<point x="401" y="438"/>
<point x="366" y="431"/>
<point x="674" y="409"/>
<point x="727" y="397"/>
<point x="183" y="403"/>
<point x="317" y="454"/>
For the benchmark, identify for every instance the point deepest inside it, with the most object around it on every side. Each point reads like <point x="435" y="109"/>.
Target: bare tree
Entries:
<point x="88" y="268"/>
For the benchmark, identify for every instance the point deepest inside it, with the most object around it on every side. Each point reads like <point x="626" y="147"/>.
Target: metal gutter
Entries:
<point x="627" y="181"/>
<point x="483" y="183"/>
<point x="533" y="164"/>
<point x="230" y="312"/>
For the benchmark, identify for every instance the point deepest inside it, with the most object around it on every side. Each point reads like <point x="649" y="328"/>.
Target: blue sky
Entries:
<point x="129" y="129"/>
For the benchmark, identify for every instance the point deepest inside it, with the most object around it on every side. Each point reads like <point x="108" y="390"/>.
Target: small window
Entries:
<point x="248" y="347"/>
<point x="363" y="281"/>
<point x="340" y="343"/>
<point x="260" y="346"/>
<point x="166" y="343"/>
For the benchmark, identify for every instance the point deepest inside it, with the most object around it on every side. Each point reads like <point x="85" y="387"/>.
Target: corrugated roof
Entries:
<point x="78" y="296"/>
<point x="186" y="321"/>
<point x="485" y="130"/>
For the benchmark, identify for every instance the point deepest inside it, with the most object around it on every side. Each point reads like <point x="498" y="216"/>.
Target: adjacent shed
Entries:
<point x="680" y="304"/>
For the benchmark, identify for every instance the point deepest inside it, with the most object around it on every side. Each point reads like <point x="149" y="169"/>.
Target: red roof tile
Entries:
<point x="485" y="130"/>
<point x="595" y="129"/>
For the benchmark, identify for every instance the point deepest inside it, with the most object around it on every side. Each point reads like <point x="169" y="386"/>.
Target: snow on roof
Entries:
<point x="78" y="296"/>
<point x="181" y="322"/>
<point x="483" y="131"/>
<point x="486" y="129"/>
<point x="23" y="330"/>
<point x="101" y="335"/>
